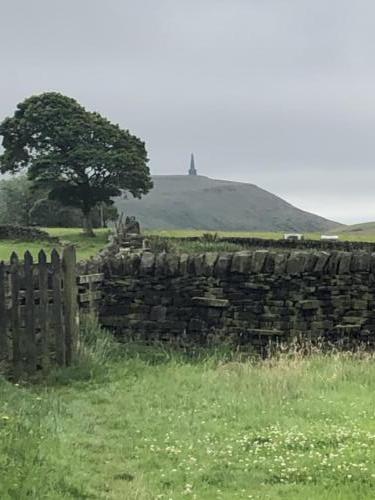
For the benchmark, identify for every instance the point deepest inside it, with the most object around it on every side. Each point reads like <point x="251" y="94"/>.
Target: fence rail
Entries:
<point x="39" y="318"/>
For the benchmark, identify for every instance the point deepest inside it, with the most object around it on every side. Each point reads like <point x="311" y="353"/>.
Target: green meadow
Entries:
<point x="86" y="247"/>
<point x="173" y="239"/>
<point x="143" y="423"/>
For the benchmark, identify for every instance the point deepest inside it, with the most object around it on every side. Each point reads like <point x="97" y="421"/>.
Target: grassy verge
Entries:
<point x="86" y="247"/>
<point x="141" y="423"/>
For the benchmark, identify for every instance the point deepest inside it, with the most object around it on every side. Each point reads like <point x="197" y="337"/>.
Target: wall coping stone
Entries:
<point x="221" y="265"/>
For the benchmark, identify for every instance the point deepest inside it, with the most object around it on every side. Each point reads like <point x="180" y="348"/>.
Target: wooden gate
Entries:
<point x="38" y="311"/>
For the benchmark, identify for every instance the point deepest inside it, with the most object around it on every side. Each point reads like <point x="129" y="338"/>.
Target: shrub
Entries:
<point x="14" y="232"/>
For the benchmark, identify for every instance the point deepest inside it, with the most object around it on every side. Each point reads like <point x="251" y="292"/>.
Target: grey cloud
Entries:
<point x="275" y="92"/>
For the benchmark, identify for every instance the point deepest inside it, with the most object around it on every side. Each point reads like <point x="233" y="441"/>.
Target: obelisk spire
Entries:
<point x="192" y="170"/>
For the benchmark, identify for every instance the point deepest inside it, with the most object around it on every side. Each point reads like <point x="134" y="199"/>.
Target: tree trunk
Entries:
<point x="87" y="224"/>
<point x="101" y="208"/>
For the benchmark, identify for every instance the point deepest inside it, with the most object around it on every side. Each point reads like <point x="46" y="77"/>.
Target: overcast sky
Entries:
<point x="279" y="93"/>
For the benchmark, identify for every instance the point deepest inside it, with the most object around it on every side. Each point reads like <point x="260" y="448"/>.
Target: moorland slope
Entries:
<point x="197" y="202"/>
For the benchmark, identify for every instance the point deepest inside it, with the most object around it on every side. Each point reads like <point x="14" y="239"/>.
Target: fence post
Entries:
<point x="57" y="308"/>
<point x="3" y="316"/>
<point x="15" y="315"/>
<point x="70" y="301"/>
<point x="43" y="309"/>
<point x="29" y="338"/>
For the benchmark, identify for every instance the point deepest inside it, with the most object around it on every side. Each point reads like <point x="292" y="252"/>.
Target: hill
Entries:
<point x="359" y="232"/>
<point x="197" y="202"/>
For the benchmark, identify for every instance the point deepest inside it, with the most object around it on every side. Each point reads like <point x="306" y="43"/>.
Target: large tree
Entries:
<point x="80" y="157"/>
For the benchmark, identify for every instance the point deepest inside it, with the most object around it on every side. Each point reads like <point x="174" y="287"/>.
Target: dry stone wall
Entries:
<point x="246" y="298"/>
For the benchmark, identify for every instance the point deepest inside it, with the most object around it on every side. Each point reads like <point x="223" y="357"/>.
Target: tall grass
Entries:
<point x="142" y="422"/>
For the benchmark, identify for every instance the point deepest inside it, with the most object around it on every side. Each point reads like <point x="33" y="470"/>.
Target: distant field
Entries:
<point x="86" y="247"/>
<point x="89" y="247"/>
<point x="185" y="233"/>
<point x="347" y="234"/>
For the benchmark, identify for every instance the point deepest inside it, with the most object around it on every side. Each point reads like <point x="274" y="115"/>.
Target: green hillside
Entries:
<point x="197" y="202"/>
<point x="356" y="232"/>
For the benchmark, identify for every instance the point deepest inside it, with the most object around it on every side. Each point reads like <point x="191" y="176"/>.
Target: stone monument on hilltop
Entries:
<point x="192" y="169"/>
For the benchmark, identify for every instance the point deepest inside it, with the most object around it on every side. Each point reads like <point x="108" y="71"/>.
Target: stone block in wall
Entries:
<point x="172" y="264"/>
<point x="147" y="263"/>
<point x="316" y="328"/>
<point x="223" y="264"/>
<point x="258" y="260"/>
<point x="253" y="285"/>
<point x="321" y="262"/>
<point x="210" y="259"/>
<point x="210" y="302"/>
<point x="158" y="313"/>
<point x="114" y="321"/>
<point x="269" y="264"/>
<point x="126" y="265"/>
<point x="196" y="325"/>
<point x="308" y="305"/>
<point x="247" y="316"/>
<point x="280" y="260"/>
<point x="310" y="261"/>
<point x="173" y="327"/>
<point x="198" y="264"/>
<point x="212" y="313"/>
<point x="347" y="329"/>
<point x="361" y="262"/>
<point x="333" y="263"/>
<point x="340" y="302"/>
<point x="117" y="309"/>
<point x="183" y="266"/>
<point x="160" y="264"/>
<point x="359" y="304"/>
<point x="263" y="332"/>
<point x="166" y="300"/>
<point x="345" y="259"/>
<point x="241" y="262"/>
<point x="296" y="263"/>
<point x="353" y="320"/>
<point x="253" y="307"/>
<point x="191" y="266"/>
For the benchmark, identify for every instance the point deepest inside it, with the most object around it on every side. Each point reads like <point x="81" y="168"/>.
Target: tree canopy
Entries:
<point x="81" y="158"/>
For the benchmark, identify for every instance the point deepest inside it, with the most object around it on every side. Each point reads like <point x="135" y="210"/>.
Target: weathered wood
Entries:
<point x="15" y="317"/>
<point x="43" y="309"/>
<point x="90" y="297"/>
<point x="28" y="333"/>
<point x="22" y="294"/>
<point x="90" y="278"/>
<point x="70" y="302"/>
<point x="3" y="316"/>
<point x="42" y="298"/>
<point x="57" y="309"/>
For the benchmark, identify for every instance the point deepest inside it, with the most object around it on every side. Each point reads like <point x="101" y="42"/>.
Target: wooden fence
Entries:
<point x="39" y="310"/>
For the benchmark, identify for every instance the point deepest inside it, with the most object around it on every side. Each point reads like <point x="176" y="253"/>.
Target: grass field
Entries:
<point x="148" y="424"/>
<point x="184" y="233"/>
<point x="364" y="232"/>
<point x="86" y="247"/>
<point x="89" y="247"/>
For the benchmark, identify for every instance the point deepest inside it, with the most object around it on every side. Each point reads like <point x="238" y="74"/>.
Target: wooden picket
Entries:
<point x="3" y="317"/>
<point x="38" y="311"/>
